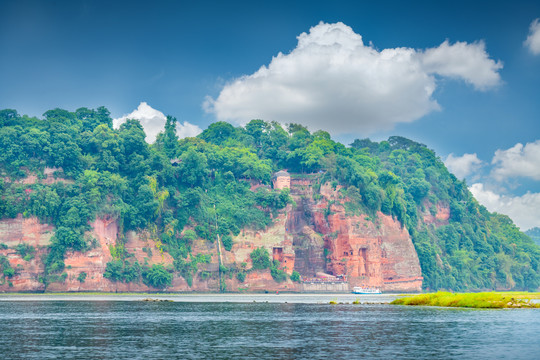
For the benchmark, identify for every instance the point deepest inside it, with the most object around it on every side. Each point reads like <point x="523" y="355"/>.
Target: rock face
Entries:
<point x="25" y="230"/>
<point x="314" y="236"/>
<point x="49" y="176"/>
<point x="278" y="242"/>
<point x="308" y="244"/>
<point x="92" y="262"/>
<point x="375" y="252"/>
<point x="436" y="215"/>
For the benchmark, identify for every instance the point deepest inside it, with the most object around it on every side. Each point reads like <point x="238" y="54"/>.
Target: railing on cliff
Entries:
<point x="327" y="280"/>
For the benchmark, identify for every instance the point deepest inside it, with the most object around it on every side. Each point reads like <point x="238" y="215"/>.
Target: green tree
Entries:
<point x="260" y="258"/>
<point x="194" y="168"/>
<point x="277" y="274"/>
<point x="218" y="133"/>
<point x="170" y="140"/>
<point x="157" y="276"/>
<point x="8" y="117"/>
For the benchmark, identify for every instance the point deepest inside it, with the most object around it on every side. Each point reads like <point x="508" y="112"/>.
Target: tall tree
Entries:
<point x="170" y="141"/>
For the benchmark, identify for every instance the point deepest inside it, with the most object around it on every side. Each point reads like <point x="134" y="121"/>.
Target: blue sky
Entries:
<point x="178" y="55"/>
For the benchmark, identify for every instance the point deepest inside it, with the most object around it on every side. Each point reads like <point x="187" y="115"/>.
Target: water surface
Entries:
<point x="116" y="328"/>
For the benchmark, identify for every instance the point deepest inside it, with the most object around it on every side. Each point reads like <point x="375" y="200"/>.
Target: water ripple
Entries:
<point x="136" y="330"/>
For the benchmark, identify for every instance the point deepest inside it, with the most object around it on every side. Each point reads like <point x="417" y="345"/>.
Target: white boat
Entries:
<point x="366" y="290"/>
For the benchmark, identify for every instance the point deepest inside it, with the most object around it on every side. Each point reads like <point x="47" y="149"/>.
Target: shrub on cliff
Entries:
<point x="25" y="251"/>
<point x="189" y="235"/>
<point x="118" y="270"/>
<point x="187" y="268"/>
<point x="5" y="267"/>
<point x="260" y="259"/>
<point x="9" y="272"/>
<point x="82" y="277"/>
<point x="157" y="276"/>
<point x="113" y="270"/>
<point x="241" y="276"/>
<point x="227" y="242"/>
<point x="278" y="274"/>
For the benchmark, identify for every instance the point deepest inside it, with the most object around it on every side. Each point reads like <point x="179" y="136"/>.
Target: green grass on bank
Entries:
<point x="484" y="300"/>
<point x="521" y="294"/>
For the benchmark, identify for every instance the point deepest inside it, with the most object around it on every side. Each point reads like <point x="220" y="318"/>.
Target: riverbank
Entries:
<point x="292" y="298"/>
<point x="484" y="300"/>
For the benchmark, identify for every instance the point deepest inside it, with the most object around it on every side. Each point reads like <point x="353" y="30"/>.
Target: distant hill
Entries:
<point x="534" y="234"/>
<point x="163" y="207"/>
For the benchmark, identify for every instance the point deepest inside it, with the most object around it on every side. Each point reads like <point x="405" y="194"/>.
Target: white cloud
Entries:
<point x="533" y="40"/>
<point x="187" y="130"/>
<point x="153" y="122"/>
<point x="332" y="81"/>
<point x="523" y="210"/>
<point x="518" y="161"/>
<point x="470" y="62"/>
<point x="462" y="166"/>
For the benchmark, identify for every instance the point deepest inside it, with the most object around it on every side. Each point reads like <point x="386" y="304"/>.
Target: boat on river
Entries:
<point x="366" y="290"/>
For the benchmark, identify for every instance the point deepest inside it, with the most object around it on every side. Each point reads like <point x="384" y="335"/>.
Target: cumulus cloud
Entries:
<point x="533" y="39"/>
<point x="187" y="130"/>
<point x="469" y="62"/>
<point x="462" y="166"/>
<point x="518" y="161"/>
<point x="523" y="210"/>
<point x="333" y="81"/>
<point x="153" y="122"/>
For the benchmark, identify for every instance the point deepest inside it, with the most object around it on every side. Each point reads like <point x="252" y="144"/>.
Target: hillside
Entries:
<point x="534" y="234"/>
<point x="88" y="207"/>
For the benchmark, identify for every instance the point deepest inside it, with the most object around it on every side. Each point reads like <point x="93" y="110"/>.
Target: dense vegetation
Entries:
<point x="181" y="190"/>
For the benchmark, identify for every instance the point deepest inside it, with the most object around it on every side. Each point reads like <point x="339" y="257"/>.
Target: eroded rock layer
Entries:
<point x="312" y="237"/>
<point x="369" y="251"/>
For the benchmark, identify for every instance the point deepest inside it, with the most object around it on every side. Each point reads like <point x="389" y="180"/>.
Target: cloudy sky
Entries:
<point x="461" y="77"/>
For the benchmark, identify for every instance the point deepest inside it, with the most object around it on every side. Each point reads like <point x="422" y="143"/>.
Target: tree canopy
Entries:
<point x="208" y="185"/>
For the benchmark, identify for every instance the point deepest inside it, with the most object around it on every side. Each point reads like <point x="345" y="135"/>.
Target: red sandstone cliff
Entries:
<point x="369" y="251"/>
<point x="93" y="262"/>
<point x="312" y="237"/>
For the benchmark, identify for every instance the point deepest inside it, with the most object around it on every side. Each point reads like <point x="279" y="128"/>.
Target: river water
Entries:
<point x="257" y="327"/>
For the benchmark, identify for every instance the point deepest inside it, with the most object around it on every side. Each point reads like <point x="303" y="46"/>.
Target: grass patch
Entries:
<point x="484" y="300"/>
<point x="521" y="294"/>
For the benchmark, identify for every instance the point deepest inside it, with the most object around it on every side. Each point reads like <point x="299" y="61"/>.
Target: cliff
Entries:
<point x="356" y="209"/>
<point x="311" y="237"/>
<point x="369" y="251"/>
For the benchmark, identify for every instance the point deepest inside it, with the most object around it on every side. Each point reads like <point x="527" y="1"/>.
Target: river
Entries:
<point x="257" y="327"/>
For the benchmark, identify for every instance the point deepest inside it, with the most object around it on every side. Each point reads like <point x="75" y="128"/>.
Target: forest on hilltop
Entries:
<point x="183" y="189"/>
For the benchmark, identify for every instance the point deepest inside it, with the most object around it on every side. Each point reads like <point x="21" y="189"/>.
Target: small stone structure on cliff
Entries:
<point x="281" y="180"/>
